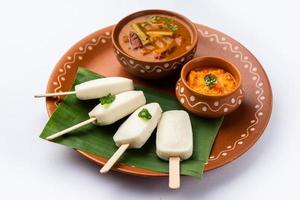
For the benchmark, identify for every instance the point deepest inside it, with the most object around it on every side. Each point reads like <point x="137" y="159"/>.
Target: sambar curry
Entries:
<point x="211" y="81"/>
<point x="155" y="37"/>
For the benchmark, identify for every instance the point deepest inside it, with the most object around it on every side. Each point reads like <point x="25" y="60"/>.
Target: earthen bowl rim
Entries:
<point x="201" y="59"/>
<point x="140" y="13"/>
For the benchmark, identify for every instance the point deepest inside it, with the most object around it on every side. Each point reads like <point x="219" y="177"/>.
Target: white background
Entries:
<point x="35" y="34"/>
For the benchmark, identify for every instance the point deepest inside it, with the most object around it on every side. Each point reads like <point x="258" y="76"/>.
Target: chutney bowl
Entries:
<point x="206" y="105"/>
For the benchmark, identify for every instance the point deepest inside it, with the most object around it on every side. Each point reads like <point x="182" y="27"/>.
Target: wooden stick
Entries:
<point x="174" y="172"/>
<point x="51" y="137"/>
<point x="54" y="94"/>
<point x="114" y="158"/>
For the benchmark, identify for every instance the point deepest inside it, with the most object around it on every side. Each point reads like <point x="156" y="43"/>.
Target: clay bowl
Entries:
<point x="205" y="105"/>
<point x="155" y="69"/>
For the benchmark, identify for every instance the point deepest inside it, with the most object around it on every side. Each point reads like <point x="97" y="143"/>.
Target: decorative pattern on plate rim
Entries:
<point x="221" y="40"/>
<point x="258" y="84"/>
<point x="78" y="55"/>
<point x="148" y="69"/>
<point x="216" y="104"/>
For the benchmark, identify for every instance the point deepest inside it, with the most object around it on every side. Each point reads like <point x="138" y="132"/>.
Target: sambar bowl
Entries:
<point x="153" y="69"/>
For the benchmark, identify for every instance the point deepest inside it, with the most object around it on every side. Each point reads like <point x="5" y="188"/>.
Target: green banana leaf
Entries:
<point x="98" y="140"/>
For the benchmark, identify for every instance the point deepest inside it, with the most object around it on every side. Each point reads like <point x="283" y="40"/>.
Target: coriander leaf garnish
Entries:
<point x="108" y="99"/>
<point x="168" y="24"/>
<point x="210" y="80"/>
<point x="144" y="114"/>
<point x="154" y="19"/>
<point x="168" y="20"/>
<point x="172" y="27"/>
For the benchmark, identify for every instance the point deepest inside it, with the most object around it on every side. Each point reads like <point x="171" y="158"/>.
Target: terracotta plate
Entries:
<point x="239" y="131"/>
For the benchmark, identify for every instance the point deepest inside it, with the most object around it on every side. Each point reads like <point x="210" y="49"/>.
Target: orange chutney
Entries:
<point x="211" y="81"/>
